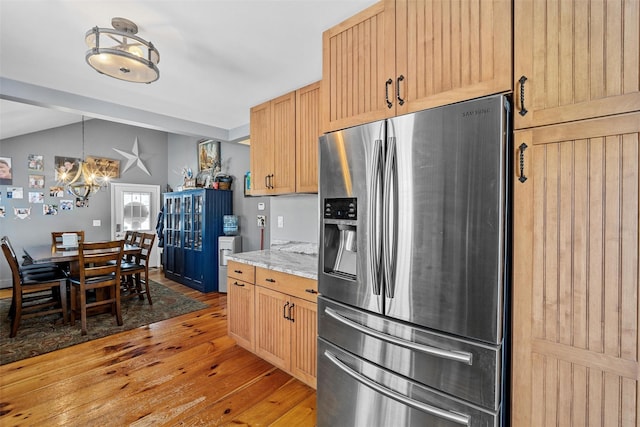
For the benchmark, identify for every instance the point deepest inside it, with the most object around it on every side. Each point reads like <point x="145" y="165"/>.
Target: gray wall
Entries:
<point x="299" y="218"/>
<point x="164" y="155"/>
<point x="100" y="139"/>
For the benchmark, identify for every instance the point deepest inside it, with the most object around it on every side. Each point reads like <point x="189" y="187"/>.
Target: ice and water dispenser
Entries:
<point x="340" y="237"/>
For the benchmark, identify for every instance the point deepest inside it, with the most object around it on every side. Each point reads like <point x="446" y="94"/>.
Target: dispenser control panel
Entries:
<point x="343" y="208"/>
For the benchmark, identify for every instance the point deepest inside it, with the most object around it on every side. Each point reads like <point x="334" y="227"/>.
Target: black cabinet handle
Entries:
<point x="237" y="271"/>
<point x="291" y="314"/>
<point x="270" y="280"/>
<point x="523" y="110"/>
<point x="386" y="92"/>
<point x="239" y="284"/>
<point x="266" y="181"/>
<point x="284" y="311"/>
<point x="311" y="291"/>
<point x="522" y="147"/>
<point x="398" y="80"/>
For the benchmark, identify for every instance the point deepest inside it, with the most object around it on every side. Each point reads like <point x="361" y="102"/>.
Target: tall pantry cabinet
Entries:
<point x="401" y="56"/>
<point x="576" y="238"/>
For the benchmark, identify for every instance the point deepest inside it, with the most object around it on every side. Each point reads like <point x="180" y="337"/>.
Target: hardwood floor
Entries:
<point x="181" y="371"/>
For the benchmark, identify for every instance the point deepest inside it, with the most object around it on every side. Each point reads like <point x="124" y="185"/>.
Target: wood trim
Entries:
<point x="598" y="127"/>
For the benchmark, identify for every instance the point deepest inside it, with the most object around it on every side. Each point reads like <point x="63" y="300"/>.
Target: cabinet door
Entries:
<point x="304" y="335"/>
<point x="273" y="330"/>
<point x="240" y="312"/>
<point x="307" y="134"/>
<point x="358" y="58"/>
<point x="261" y="152"/>
<point x="283" y="147"/>
<point x="451" y="51"/>
<point x="580" y="60"/>
<point x="575" y="278"/>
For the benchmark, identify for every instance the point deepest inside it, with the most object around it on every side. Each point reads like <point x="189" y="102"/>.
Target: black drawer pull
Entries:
<point x="270" y="280"/>
<point x="237" y="271"/>
<point x="386" y="92"/>
<point x="311" y="291"/>
<point x="238" y="284"/>
<point x="291" y="314"/>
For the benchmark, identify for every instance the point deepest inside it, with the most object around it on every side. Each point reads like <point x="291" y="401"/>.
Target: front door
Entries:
<point x="135" y="207"/>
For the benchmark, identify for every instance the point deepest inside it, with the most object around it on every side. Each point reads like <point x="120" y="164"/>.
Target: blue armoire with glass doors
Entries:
<point x="193" y="222"/>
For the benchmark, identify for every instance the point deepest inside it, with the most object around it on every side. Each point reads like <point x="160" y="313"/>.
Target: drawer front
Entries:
<point x="290" y="284"/>
<point x="244" y="272"/>
<point x="461" y="368"/>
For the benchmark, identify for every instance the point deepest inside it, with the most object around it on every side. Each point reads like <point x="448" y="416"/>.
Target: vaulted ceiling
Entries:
<point x="217" y="59"/>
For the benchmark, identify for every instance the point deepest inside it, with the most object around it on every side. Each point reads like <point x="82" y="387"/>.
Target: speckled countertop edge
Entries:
<point x="299" y="259"/>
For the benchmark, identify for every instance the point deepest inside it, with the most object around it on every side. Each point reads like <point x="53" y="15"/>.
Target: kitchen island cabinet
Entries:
<point x="402" y="56"/>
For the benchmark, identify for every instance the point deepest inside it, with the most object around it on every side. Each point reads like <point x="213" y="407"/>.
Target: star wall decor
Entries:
<point x="133" y="158"/>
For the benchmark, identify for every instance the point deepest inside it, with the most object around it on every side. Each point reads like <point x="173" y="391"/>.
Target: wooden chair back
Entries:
<point x="37" y="292"/>
<point x="56" y="237"/>
<point x="99" y="267"/>
<point x="136" y="273"/>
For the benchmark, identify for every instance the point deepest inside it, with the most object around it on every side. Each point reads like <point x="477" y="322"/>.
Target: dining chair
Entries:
<point x="98" y="269"/>
<point x="136" y="272"/>
<point x="56" y="237"/>
<point x="35" y="292"/>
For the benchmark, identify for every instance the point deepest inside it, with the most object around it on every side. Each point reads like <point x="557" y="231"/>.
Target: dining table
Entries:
<point x="43" y="254"/>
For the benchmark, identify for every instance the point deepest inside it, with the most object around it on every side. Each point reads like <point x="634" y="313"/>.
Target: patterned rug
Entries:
<point x="41" y="335"/>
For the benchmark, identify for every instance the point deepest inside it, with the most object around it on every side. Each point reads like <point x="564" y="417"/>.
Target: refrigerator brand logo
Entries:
<point x="476" y="112"/>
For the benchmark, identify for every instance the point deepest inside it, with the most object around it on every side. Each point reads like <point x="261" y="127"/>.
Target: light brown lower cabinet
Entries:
<point x="575" y="288"/>
<point x="275" y="318"/>
<point x="240" y="310"/>
<point x="286" y="333"/>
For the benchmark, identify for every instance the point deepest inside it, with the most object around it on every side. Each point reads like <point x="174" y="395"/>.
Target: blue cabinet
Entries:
<point x="193" y="223"/>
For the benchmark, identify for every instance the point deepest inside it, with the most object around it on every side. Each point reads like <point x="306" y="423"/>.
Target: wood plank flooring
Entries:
<point x="183" y="371"/>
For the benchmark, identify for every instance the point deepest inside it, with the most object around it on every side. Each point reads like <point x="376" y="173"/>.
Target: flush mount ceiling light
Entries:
<point x="119" y="53"/>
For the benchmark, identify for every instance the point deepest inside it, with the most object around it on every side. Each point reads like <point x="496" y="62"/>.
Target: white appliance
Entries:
<point x="227" y="245"/>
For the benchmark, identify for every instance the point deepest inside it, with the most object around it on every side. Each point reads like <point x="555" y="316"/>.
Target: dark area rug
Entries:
<point x="41" y="335"/>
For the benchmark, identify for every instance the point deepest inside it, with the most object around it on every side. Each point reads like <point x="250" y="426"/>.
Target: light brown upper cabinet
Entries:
<point x="307" y="134"/>
<point x="400" y="56"/>
<point x="273" y="149"/>
<point x="284" y="143"/>
<point x="575" y="59"/>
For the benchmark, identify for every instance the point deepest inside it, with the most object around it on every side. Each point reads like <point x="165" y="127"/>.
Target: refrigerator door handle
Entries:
<point x="390" y="217"/>
<point x="375" y="250"/>
<point x="451" y="416"/>
<point x="456" y="356"/>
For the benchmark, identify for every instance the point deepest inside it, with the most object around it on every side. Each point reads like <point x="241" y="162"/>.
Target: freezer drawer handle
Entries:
<point x="451" y="416"/>
<point x="456" y="356"/>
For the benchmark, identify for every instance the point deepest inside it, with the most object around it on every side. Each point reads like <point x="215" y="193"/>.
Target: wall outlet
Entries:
<point x="96" y="223"/>
<point x="262" y="221"/>
<point x="280" y="221"/>
<point x="261" y="206"/>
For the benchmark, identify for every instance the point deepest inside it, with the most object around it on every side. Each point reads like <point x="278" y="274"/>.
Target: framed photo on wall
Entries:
<point x="6" y="175"/>
<point x="209" y="156"/>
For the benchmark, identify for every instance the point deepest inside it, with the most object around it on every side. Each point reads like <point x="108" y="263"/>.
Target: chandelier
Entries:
<point x="83" y="179"/>
<point x="119" y="53"/>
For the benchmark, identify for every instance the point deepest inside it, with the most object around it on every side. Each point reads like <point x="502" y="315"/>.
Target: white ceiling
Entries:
<point x="217" y="59"/>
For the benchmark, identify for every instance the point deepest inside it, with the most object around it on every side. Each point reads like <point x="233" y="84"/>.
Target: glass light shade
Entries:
<point x="122" y="55"/>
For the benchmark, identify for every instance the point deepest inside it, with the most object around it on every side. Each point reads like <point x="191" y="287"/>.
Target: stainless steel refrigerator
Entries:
<point x="414" y="269"/>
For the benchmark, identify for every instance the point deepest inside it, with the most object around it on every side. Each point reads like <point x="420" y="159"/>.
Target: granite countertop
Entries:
<point x="297" y="258"/>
